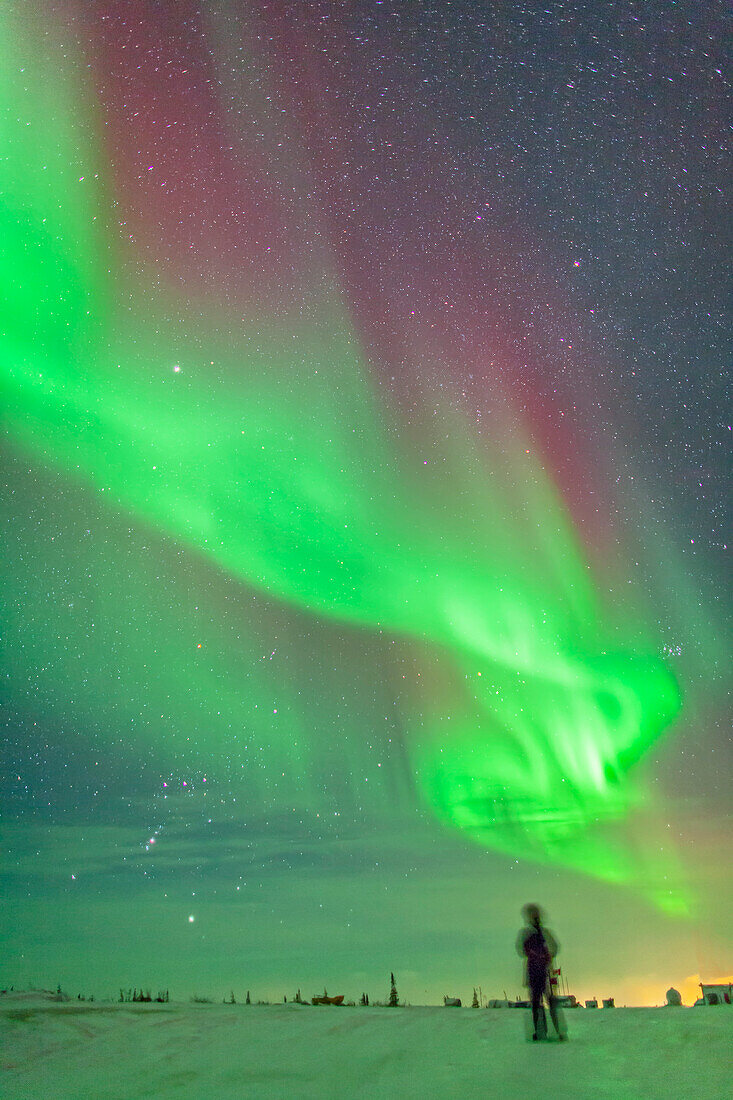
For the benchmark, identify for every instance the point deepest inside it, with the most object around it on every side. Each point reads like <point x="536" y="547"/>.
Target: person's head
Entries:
<point x="532" y="914"/>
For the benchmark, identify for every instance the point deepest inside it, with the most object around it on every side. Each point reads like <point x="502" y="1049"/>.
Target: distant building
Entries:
<point x="591" y="1004"/>
<point x="674" y="998"/>
<point x="609" y="1002"/>
<point x="716" y="994"/>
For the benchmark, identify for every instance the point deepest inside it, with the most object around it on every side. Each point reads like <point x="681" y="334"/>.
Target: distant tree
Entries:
<point x="247" y="1000"/>
<point x="364" y="999"/>
<point x="474" y="1002"/>
<point x="393" y="1001"/>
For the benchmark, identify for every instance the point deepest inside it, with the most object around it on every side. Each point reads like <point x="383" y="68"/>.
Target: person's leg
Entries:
<point x="553" y="1012"/>
<point x="536" y="994"/>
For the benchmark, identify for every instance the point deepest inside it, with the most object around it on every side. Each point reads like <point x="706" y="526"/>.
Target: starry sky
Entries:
<point x="364" y="476"/>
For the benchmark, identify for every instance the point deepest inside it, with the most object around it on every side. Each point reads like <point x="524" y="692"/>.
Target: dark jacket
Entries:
<point x="538" y="947"/>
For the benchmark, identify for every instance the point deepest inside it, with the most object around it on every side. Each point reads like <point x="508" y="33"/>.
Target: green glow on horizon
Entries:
<point x="269" y="453"/>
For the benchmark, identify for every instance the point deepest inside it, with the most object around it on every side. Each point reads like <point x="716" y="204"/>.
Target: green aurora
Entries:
<point x="259" y="445"/>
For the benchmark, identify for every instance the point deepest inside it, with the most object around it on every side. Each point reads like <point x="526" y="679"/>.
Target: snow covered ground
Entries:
<point x="84" y="1051"/>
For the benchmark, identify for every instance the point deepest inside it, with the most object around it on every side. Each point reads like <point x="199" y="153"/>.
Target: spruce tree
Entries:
<point x="393" y="1002"/>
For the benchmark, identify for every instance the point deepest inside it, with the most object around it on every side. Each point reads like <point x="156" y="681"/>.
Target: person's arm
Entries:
<point x="521" y="939"/>
<point x="552" y="944"/>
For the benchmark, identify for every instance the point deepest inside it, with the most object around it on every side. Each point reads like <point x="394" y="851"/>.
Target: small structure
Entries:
<point x="452" y="1002"/>
<point x="718" y="993"/>
<point x="496" y="1003"/>
<point x="674" y="998"/>
<point x="591" y="1004"/>
<point x="324" y="999"/>
<point x="566" y="1000"/>
<point x="608" y="1002"/>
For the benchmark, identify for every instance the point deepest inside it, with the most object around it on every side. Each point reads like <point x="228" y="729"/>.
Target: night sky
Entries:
<point x="365" y="455"/>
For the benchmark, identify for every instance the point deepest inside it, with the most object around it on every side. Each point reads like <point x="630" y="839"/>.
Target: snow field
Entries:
<point x="83" y="1051"/>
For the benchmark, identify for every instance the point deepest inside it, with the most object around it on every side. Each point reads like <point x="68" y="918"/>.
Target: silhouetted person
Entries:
<point x="537" y="945"/>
